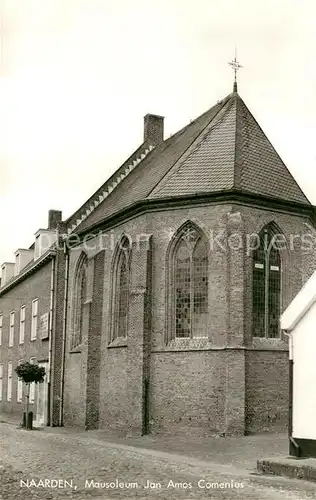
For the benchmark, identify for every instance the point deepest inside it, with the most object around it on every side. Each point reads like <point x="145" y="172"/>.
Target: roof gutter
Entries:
<point x="225" y="196"/>
<point x="23" y="275"/>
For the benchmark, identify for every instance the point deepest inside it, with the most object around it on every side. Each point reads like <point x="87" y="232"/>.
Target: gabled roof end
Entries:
<point x="300" y="305"/>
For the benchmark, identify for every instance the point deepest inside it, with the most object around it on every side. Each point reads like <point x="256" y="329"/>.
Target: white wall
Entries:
<point x="304" y="376"/>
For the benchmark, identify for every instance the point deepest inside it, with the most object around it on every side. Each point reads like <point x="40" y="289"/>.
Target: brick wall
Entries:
<point x="114" y="398"/>
<point x="225" y="383"/>
<point x="37" y="285"/>
<point x="187" y="392"/>
<point x="123" y="364"/>
<point x="57" y="340"/>
<point x="267" y="390"/>
<point x="266" y="365"/>
<point x="94" y="344"/>
<point x="75" y="370"/>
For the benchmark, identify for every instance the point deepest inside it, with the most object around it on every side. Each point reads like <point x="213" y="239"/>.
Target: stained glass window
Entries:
<point x="266" y="303"/>
<point x="80" y="298"/>
<point x="183" y="291"/>
<point x="190" y="308"/>
<point x="121" y="292"/>
<point x="122" y="297"/>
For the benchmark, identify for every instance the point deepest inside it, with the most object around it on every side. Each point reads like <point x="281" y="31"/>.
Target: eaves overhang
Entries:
<point x="30" y="269"/>
<point x="219" y="197"/>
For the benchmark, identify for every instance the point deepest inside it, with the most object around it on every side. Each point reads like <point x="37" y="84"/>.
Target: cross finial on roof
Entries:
<point x="236" y="66"/>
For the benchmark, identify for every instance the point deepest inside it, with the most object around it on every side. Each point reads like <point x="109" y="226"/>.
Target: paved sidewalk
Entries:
<point x="7" y="418"/>
<point x="240" y="451"/>
<point x="78" y="456"/>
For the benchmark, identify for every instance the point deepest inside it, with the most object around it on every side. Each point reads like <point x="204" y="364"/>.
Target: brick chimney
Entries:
<point x="54" y="217"/>
<point x="153" y="129"/>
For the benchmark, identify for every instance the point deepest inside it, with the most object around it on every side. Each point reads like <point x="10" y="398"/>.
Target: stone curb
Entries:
<point x="294" y="468"/>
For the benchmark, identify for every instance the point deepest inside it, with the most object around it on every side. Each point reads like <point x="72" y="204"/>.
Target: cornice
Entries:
<point x="217" y="198"/>
<point x="37" y="264"/>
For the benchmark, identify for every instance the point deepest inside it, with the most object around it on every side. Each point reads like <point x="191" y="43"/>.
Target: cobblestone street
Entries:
<point x="89" y="467"/>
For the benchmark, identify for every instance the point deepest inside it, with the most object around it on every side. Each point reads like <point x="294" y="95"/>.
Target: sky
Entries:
<point x="77" y="77"/>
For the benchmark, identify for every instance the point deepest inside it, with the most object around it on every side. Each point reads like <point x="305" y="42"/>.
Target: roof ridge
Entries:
<point x="221" y="102"/>
<point x="197" y="141"/>
<point x="238" y="161"/>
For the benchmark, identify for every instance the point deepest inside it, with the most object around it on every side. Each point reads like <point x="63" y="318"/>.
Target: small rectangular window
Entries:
<point x="11" y="332"/>
<point x="22" y="325"/>
<point x="1" y="328"/>
<point x="9" y="388"/>
<point x="34" y="319"/>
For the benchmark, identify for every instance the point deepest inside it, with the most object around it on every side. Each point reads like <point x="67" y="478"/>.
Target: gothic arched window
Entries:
<point x="266" y="292"/>
<point x="80" y="295"/>
<point x="188" y="284"/>
<point x="120" y="290"/>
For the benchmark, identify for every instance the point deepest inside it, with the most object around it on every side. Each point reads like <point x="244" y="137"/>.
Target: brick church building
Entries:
<point x="170" y="281"/>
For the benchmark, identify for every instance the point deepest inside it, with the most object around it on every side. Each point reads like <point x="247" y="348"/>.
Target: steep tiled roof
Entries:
<point x="262" y="170"/>
<point x="104" y="191"/>
<point x="208" y="165"/>
<point x="223" y="149"/>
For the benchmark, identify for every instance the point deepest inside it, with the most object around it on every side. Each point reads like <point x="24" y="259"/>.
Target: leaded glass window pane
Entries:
<point x="80" y="298"/>
<point x="190" y="285"/>
<point x="266" y="293"/>
<point x="122" y="296"/>
<point x="274" y="294"/>
<point x="200" y="290"/>
<point x="258" y="293"/>
<point x="182" y="289"/>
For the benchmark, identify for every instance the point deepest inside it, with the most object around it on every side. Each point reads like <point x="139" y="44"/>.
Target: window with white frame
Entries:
<point x="1" y="381"/>
<point x="32" y="385"/>
<point x="11" y="331"/>
<point x="22" y="325"/>
<point x="20" y="387"/>
<point x="1" y="319"/>
<point x="9" y="388"/>
<point x="34" y="319"/>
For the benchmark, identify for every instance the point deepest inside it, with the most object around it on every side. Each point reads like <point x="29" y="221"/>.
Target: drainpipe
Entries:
<point x="50" y="339"/>
<point x="62" y="374"/>
<point x="294" y="448"/>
